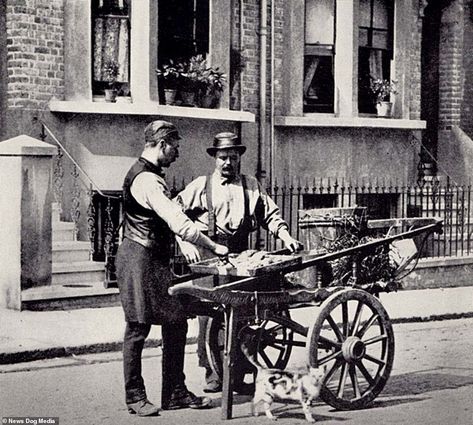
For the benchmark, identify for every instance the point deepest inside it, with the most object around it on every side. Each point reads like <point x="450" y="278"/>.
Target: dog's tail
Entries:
<point x="251" y="357"/>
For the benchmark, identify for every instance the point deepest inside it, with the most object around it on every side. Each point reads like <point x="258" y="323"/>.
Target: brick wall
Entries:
<point x="450" y="65"/>
<point x="250" y="55"/>
<point x="415" y="63"/>
<point x="3" y="63"/>
<point x="35" y="52"/>
<point x="236" y="62"/>
<point x="467" y="101"/>
<point x="278" y="56"/>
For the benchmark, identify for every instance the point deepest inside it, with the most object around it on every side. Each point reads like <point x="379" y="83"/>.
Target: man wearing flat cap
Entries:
<point x="144" y="276"/>
<point x="228" y="206"/>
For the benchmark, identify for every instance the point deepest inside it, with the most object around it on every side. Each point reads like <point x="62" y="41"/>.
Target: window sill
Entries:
<point x="123" y="107"/>
<point x="323" y="120"/>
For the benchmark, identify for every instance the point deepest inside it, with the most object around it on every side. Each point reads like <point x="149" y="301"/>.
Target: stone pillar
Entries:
<point x="25" y="217"/>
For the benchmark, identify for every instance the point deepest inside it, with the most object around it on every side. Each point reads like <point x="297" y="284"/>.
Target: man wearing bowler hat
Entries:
<point x="228" y="206"/>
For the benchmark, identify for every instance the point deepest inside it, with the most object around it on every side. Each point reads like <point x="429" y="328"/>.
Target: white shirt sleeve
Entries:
<point x="151" y="192"/>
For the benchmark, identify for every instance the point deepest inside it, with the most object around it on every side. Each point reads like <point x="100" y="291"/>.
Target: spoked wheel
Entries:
<point x="353" y="338"/>
<point x="271" y="341"/>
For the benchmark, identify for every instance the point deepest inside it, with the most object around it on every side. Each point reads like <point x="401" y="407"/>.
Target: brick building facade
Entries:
<point x="46" y="59"/>
<point x="297" y="92"/>
<point x="32" y="59"/>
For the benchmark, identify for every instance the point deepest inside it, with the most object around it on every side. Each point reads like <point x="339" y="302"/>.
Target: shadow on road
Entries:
<point x="396" y="401"/>
<point x="294" y="411"/>
<point x="237" y="399"/>
<point x="423" y="382"/>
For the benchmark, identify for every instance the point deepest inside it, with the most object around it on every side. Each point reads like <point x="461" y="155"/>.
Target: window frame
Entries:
<point x="346" y="60"/>
<point x="98" y="86"/>
<point x="387" y="53"/>
<point x="78" y="50"/>
<point x="321" y="51"/>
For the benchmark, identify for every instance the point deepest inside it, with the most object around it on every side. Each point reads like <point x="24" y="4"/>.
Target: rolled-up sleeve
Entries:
<point x="151" y="192"/>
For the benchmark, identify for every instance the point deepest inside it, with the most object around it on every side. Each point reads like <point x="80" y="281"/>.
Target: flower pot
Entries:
<point x="110" y="95"/>
<point x="384" y="109"/>
<point x="170" y="96"/>
<point x="209" y="101"/>
<point x="187" y="98"/>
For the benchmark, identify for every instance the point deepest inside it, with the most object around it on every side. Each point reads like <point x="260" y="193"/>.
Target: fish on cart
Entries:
<point x="247" y="263"/>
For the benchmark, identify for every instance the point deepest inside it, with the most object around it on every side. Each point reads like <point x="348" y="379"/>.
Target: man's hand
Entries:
<point x="190" y="251"/>
<point x="290" y="243"/>
<point x="220" y="250"/>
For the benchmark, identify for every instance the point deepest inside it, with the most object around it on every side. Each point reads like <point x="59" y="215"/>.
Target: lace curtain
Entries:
<point x="376" y="64"/>
<point x="111" y="42"/>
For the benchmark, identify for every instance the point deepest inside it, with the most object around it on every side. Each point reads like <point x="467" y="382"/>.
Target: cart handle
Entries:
<point x="435" y="227"/>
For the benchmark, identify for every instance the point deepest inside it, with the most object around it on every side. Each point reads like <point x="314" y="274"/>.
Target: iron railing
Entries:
<point x="97" y="214"/>
<point x="451" y="203"/>
<point x="78" y="196"/>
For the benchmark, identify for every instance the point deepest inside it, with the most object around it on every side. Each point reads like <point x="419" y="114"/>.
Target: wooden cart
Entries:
<point x="351" y="334"/>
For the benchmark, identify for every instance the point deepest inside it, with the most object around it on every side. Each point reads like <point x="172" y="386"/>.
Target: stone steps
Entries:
<point x="77" y="272"/>
<point x="63" y="231"/>
<point x="67" y="297"/>
<point x="76" y="281"/>
<point x="70" y="251"/>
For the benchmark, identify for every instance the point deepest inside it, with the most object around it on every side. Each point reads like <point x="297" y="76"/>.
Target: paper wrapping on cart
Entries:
<point x="247" y="263"/>
<point x="401" y="253"/>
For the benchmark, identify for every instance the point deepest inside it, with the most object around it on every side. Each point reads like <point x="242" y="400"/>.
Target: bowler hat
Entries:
<point x="226" y="140"/>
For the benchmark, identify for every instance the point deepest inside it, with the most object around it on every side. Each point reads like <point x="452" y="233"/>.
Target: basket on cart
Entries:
<point x="351" y="334"/>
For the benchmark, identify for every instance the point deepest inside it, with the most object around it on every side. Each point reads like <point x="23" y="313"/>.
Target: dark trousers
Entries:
<point x="173" y="344"/>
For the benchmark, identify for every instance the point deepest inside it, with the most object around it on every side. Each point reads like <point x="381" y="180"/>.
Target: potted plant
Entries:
<point x="170" y="77"/>
<point x="207" y="81"/>
<point x="192" y="74"/>
<point x="212" y="85"/>
<point x="111" y="70"/>
<point x="382" y="90"/>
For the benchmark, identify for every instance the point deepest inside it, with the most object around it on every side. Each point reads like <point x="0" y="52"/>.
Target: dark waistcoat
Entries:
<point x="143" y="225"/>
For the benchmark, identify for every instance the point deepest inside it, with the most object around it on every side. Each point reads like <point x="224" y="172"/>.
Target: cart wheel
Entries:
<point x="271" y="341"/>
<point x="353" y="338"/>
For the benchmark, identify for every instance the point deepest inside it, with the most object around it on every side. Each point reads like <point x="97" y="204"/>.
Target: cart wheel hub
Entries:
<point x="353" y="349"/>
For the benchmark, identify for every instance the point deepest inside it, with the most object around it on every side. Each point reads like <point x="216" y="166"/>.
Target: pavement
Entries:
<point x="34" y="335"/>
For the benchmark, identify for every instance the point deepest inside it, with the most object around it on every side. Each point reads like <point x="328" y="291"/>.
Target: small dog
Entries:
<point x="274" y="384"/>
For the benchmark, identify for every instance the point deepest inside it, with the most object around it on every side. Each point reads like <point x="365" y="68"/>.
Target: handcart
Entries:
<point x="351" y="335"/>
